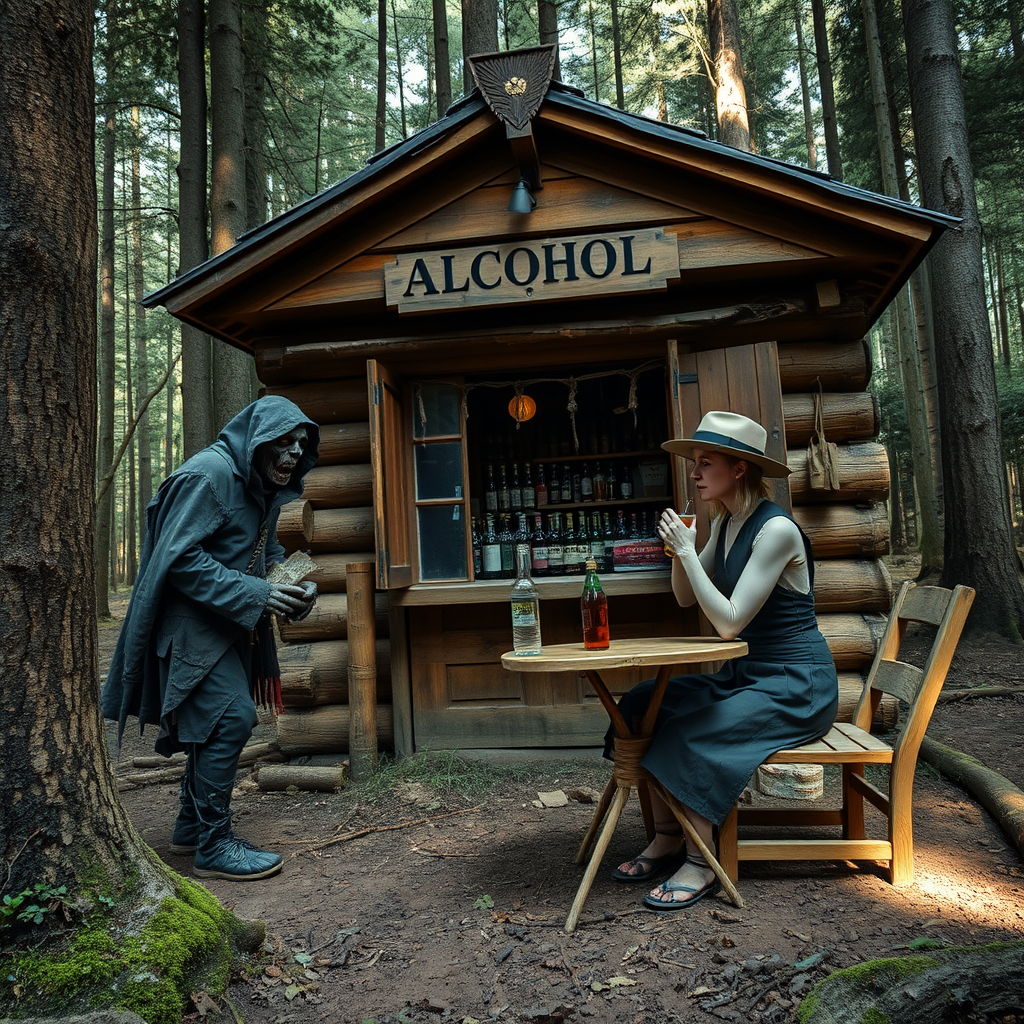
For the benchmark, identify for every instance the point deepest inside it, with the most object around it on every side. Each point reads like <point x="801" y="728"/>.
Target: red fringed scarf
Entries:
<point x="266" y="672"/>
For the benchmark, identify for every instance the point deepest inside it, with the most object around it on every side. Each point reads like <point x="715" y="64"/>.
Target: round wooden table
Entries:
<point x="664" y="654"/>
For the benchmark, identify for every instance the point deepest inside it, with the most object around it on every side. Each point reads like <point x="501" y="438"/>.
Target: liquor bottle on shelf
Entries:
<point x="503" y="495"/>
<point x="525" y="607"/>
<point x="491" y="494"/>
<point x="609" y="542"/>
<point x="597" y="541"/>
<point x="515" y="491"/>
<point x="612" y="483"/>
<point x="478" y="554"/>
<point x="566" y="485"/>
<point x="594" y="609"/>
<point x="538" y="548"/>
<point x="571" y="546"/>
<point x="600" y="485"/>
<point x="541" y="490"/>
<point x="634" y="528"/>
<point x="556" y="548"/>
<point x="490" y="552"/>
<point x="626" y="487"/>
<point x="507" y="543"/>
<point x="577" y="487"/>
<point x="522" y="534"/>
<point x="528" y="491"/>
<point x="620" y="541"/>
<point x="586" y="484"/>
<point x="554" y="485"/>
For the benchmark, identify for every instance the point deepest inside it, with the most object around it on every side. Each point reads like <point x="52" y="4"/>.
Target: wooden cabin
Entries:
<point x="643" y="276"/>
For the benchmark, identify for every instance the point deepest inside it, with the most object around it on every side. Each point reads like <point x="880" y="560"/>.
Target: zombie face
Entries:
<point x="276" y="460"/>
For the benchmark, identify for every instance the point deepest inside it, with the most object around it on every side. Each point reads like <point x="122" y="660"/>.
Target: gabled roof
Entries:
<point x="305" y="265"/>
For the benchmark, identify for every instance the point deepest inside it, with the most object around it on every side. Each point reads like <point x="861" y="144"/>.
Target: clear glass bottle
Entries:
<point x="525" y="607"/>
<point x="594" y="609"/>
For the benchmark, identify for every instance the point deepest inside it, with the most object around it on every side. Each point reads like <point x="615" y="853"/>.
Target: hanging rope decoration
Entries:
<point x="519" y="387"/>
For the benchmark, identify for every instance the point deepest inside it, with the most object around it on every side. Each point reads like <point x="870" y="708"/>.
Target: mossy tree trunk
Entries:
<point x="61" y="822"/>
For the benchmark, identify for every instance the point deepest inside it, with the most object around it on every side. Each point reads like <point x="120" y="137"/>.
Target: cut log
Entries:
<point x="852" y="639"/>
<point x="845" y="531"/>
<point x="329" y="620"/>
<point x="324" y="730"/>
<point x="330" y="401"/>
<point x="339" y="486"/>
<point x="332" y="572"/>
<point x="295" y="525"/>
<point x="852" y="585"/>
<point x="276" y="778"/>
<point x="952" y="983"/>
<point x="998" y="795"/>
<point x="851" y="684"/>
<point x="863" y="475"/>
<point x="342" y="529"/>
<point x="344" y="443"/>
<point x="317" y="673"/>
<point x="849" y="416"/>
<point x="843" y="366"/>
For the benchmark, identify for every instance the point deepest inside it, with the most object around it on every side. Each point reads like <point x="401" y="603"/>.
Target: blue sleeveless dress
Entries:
<point x="712" y="731"/>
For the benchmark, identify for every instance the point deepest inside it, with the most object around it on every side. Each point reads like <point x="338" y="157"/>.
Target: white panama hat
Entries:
<point x="733" y="434"/>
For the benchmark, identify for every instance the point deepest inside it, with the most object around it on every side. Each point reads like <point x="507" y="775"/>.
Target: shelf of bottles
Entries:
<point x="597" y="514"/>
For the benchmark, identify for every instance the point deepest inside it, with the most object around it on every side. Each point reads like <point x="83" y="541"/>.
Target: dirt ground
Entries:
<point x="439" y="893"/>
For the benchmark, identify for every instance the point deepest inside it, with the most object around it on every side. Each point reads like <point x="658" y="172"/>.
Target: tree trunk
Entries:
<point x="828" y="96"/>
<point x="143" y="439"/>
<point x="929" y="534"/>
<point x="620" y="98"/>
<point x="398" y="72"/>
<point x="254" y="53"/>
<point x="805" y="89"/>
<point x="593" y="53"/>
<point x="979" y="548"/>
<point x="380" y="119"/>
<point x="479" y="33"/>
<point x="105" y="384"/>
<point x="233" y="371"/>
<point x="196" y="353"/>
<point x="731" y="94"/>
<point x="547" y="29"/>
<point x="442" y="58"/>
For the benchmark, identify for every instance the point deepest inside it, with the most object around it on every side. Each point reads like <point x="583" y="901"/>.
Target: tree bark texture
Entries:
<point x="193" y="246"/>
<point x="380" y="119"/>
<point x="547" y="29"/>
<point x="254" y="52"/>
<point x="60" y="818"/>
<point x="979" y="549"/>
<point x="805" y="89"/>
<point x="620" y="97"/>
<point x="442" y="58"/>
<point x="828" y="96"/>
<point x="233" y="373"/>
<point x="730" y="94"/>
<point x="479" y="33"/>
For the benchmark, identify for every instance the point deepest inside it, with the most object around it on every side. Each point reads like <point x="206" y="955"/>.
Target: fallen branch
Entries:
<point x="980" y="691"/>
<point x="1000" y="797"/>
<point x="383" y="828"/>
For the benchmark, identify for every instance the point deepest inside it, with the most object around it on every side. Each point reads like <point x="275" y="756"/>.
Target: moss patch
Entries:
<point x="188" y="944"/>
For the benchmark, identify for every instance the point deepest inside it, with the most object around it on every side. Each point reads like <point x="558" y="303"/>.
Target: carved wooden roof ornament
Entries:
<point x="514" y="83"/>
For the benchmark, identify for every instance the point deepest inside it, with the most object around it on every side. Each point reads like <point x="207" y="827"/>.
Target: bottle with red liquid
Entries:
<point x="594" y="605"/>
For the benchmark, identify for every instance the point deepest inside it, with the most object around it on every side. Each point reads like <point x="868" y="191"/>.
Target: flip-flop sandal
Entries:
<point x="671" y="906"/>
<point x="654" y="866"/>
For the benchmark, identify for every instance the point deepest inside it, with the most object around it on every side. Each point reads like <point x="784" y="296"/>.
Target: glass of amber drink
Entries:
<point x="687" y="516"/>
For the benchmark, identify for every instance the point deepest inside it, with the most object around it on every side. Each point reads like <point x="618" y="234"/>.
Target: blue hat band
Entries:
<point x="724" y="439"/>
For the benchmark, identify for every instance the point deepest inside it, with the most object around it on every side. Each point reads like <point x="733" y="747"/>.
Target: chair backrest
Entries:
<point x="920" y="686"/>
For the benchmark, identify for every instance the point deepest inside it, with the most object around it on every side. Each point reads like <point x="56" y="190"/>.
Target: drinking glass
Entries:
<point x="687" y="516"/>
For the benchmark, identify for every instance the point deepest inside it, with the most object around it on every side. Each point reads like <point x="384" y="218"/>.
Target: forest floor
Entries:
<point x="438" y="892"/>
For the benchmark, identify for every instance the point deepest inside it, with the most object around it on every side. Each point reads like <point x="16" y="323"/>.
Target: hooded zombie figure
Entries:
<point x="196" y="645"/>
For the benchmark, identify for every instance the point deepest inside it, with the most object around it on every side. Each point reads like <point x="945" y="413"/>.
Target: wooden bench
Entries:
<point x="853" y="746"/>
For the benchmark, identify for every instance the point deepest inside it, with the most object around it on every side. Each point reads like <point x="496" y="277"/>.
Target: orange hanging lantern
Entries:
<point x="522" y="408"/>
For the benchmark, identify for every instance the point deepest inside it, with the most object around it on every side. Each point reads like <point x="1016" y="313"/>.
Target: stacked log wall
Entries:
<point x="333" y="521"/>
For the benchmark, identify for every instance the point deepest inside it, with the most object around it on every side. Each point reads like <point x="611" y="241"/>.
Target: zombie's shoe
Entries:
<point x="229" y="858"/>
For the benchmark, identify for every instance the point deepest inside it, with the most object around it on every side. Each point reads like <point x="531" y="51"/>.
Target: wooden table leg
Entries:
<point x="691" y="834"/>
<point x="595" y="824"/>
<point x="618" y="802"/>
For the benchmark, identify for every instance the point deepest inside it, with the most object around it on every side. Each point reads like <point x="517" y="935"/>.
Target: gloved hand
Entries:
<point x="675" y="534"/>
<point x="292" y="601"/>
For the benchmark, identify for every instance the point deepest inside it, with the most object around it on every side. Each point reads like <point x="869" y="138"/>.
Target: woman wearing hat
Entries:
<point x="753" y="580"/>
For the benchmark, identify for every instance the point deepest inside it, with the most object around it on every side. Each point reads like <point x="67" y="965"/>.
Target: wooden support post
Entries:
<point x="362" y="669"/>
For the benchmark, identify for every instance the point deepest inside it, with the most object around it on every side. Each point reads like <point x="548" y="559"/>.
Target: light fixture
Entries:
<point x="522" y="408"/>
<point x="523" y="200"/>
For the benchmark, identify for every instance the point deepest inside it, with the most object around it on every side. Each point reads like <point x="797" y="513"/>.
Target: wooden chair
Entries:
<point x="853" y="746"/>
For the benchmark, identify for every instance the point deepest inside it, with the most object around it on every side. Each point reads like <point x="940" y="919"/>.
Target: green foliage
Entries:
<point x="33" y="905"/>
<point x="484" y="902"/>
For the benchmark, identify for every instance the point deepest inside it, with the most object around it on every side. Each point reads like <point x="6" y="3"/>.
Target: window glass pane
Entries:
<point x="438" y="406"/>
<point x="438" y="470"/>
<point x="442" y="532"/>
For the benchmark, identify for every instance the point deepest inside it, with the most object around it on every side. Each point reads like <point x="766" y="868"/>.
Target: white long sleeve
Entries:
<point x="777" y="548"/>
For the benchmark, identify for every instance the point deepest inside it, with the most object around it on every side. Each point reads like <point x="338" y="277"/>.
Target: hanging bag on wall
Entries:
<point x="822" y="455"/>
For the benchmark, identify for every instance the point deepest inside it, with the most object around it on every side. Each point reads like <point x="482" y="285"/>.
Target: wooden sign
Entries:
<point x="533" y="270"/>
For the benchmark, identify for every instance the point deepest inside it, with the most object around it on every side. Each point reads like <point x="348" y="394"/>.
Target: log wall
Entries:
<point x="848" y="529"/>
